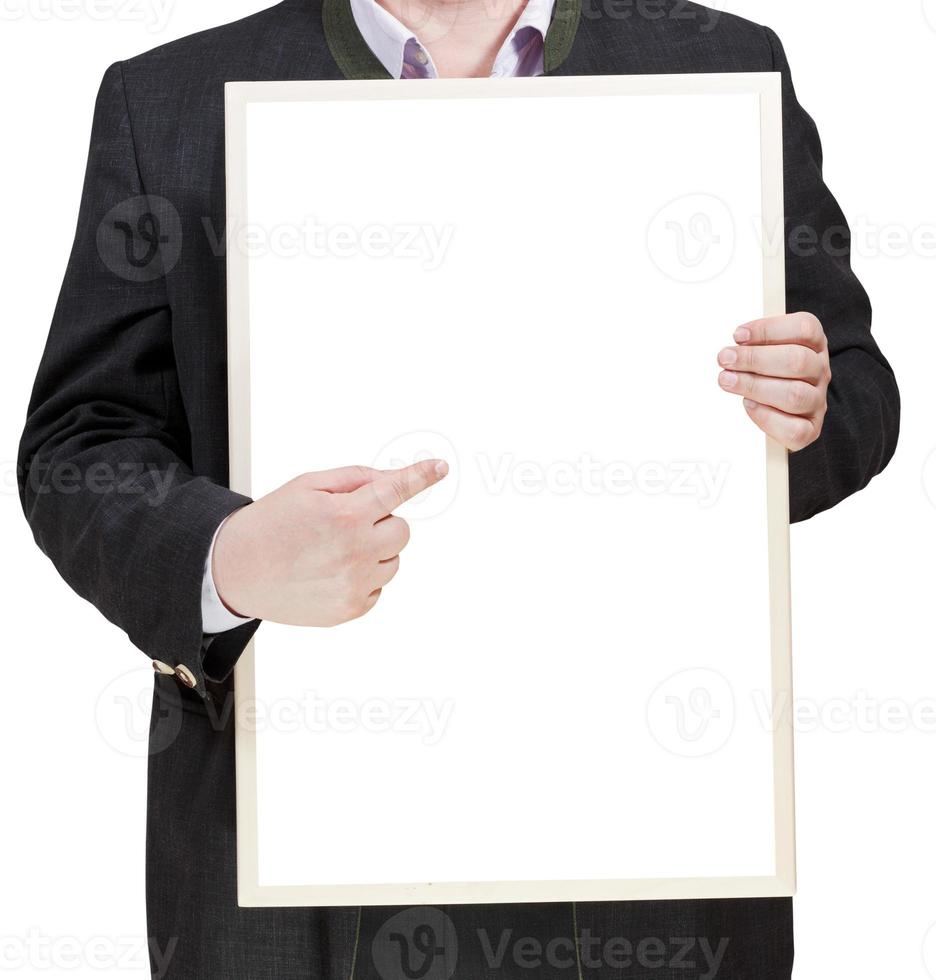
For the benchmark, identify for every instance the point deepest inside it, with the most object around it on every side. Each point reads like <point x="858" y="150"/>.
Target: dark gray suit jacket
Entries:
<point x="124" y="456"/>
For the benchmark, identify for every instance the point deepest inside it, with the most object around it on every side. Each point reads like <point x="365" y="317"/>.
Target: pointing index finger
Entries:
<point x="394" y="488"/>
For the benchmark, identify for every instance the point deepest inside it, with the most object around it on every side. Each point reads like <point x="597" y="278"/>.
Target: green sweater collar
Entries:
<point x="356" y="60"/>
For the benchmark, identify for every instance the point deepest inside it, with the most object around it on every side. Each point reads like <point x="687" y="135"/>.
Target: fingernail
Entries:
<point x="728" y="357"/>
<point x="728" y="379"/>
<point x="441" y="468"/>
<point x="742" y="335"/>
<point x="749" y="405"/>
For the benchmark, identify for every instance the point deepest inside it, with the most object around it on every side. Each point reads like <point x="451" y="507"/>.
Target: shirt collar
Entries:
<point x="383" y="33"/>
<point x="537" y="14"/>
<point x="387" y="37"/>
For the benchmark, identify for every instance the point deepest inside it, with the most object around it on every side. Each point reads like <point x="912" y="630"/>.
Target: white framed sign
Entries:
<point x="571" y="690"/>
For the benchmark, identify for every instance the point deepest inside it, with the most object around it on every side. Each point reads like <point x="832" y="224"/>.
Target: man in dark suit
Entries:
<point x="129" y="410"/>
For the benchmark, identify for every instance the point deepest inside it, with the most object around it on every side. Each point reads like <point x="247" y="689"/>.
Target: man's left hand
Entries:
<point x="780" y="367"/>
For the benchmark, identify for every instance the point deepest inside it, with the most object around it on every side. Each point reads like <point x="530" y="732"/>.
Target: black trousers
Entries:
<point x="197" y="931"/>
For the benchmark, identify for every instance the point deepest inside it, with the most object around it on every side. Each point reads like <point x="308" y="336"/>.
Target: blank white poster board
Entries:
<point x="568" y="691"/>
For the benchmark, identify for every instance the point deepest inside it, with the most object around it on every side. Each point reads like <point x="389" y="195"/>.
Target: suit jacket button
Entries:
<point x="185" y="676"/>
<point x="162" y="668"/>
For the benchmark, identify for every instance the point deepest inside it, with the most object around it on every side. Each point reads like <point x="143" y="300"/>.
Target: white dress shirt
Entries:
<point x="403" y="55"/>
<point x="398" y="48"/>
<point x="216" y="617"/>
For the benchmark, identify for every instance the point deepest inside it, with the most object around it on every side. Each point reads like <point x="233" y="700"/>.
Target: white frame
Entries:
<point x="250" y="892"/>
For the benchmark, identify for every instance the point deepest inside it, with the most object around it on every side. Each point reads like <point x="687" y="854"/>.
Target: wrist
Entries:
<point x="221" y="592"/>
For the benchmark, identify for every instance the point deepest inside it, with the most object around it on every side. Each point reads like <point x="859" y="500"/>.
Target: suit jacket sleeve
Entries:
<point x="861" y="428"/>
<point x="104" y="467"/>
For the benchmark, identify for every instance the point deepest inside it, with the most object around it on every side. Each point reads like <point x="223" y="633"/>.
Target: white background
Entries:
<point x="73" y="816"/>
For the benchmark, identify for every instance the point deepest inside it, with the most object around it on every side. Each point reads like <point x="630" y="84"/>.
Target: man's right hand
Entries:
<point x="318" y="551"/>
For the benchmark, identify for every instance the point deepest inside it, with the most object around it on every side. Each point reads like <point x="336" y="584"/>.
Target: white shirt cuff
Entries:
<point x="216" y="617"/>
